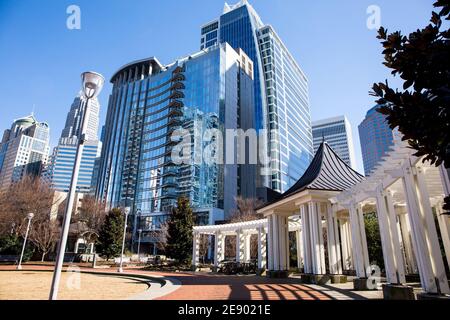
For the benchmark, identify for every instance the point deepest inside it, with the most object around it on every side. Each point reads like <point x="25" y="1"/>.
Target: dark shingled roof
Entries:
<point x="326" y="172"/>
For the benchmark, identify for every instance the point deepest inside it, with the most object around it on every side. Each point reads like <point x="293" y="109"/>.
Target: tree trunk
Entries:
<point x="43" y="256"/>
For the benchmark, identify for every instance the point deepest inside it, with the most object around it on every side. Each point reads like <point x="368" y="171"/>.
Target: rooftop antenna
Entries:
<point x="32" y="110"/>
<point x="323" y="138"/>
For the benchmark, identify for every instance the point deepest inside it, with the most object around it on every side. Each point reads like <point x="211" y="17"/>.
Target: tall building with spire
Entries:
<point x="281" y="91"/>
<point x="24" y="150"/>
<point x="59" y="170"/>
<point x="74" y="116"/>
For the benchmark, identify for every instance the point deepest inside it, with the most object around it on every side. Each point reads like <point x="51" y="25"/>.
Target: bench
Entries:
<point x="9" y="259"/>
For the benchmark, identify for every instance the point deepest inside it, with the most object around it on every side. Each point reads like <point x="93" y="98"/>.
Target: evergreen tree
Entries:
<point x="180" y="227"/>
<point x="111" y="234"/>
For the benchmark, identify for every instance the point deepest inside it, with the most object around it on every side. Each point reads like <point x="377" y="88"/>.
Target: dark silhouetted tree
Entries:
<point x="421" y="110"/>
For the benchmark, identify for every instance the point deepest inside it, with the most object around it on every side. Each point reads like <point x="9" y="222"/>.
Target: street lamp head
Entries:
<point x="30" y="215"/>
<point x="127" y="210"/>
<point x="92" y="84"/>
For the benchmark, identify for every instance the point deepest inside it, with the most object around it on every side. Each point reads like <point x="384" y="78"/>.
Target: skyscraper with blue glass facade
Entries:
<point x="149" y="101"/>
<point x="60" y="167"/>
<point x="280" y="87"/>
<point x="375" y="137"/>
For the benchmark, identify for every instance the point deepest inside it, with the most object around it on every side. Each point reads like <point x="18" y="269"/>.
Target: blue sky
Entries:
<point x="41" y="60"/>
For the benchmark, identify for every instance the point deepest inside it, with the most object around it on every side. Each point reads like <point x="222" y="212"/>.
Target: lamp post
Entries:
<point x="126" y="211"/>
<point x="139" y="244"/>
<point x="29" y="217"/>
<point x="92" y="84"/>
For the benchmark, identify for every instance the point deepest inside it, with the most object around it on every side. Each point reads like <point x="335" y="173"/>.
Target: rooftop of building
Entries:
<point x="329" y="120"/>
<point x="28" y="121"/>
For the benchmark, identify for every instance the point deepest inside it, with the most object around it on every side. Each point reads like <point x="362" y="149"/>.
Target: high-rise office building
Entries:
<point x="376" y="137"/>
<point x="72" y="127"/>
<point x="23" y="150"/>
<point x="62" y="160"/>
<point x="337" y="132"/>
<point x="280" y="86"/>
<point x="211" y="89"/>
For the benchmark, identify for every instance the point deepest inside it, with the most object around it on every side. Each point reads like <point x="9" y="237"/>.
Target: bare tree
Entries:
<point x="160" y="236"/>
<point x="30" y="194"/>
<point x="245" y="211"/>
<point x="90" y="218"/>
<point x="44" y="234"/>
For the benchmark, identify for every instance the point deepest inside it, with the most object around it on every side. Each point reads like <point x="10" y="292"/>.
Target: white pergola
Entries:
<point x="407" y="195"/>
<point x="243" y="232"/>
<point x="330" y="198"/>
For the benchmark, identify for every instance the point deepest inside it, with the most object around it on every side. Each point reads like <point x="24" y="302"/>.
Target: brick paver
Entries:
<point x="205" y="286"/>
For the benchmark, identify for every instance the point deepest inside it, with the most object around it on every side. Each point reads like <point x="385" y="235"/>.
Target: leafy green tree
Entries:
<point x="179" y="233"/>
<point x="111" y="234"/>
<point x="374" y="247"/>
<point x="421" y="110"/>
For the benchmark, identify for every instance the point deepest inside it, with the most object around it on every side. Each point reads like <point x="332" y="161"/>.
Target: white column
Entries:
<point x="299" y="245"/>
<point x="362" y="229"/>
<point x="348" y="232"/>
<point x="261" y="248"/>
<point x="318" y="252"/>
<point x="331" y="240"/>
<point x="280" y="242"/>
<point x="195" y="249"/>
<point x="391" y="248"/>
<point x="239" y="246"/>
<point x="444" y="220"/>
<point x="395" y="237"/>
<point x="270" y="250"/>
<point x="219" y="248"/>
<point x="424" y="235"/>
<point x="444" y="227"/>
<point x="433" y="242"/>
<point x="276" y="247"/>
<point x="337" y="239"/>
<point x="247" y="238"/>
<point x="359" y="258"/>
<point x="306" y="233"/>
<point x="284" y="241"/>
<point x="345" y="244"/>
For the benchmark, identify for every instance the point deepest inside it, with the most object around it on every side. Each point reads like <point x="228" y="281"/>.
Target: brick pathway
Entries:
<point x="204" y="286"/>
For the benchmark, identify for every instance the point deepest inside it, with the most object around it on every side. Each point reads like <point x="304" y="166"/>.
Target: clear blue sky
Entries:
<point x="41" y="60"/>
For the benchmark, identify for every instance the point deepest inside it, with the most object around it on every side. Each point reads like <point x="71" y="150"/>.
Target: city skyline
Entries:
<point x="109" y="56"/>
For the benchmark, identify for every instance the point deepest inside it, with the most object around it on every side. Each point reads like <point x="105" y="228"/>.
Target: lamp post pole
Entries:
<point x="127" y="211"/>
<point x="139" y="245"/>
<point x="29" y="217"/>
<point x="92" y="84"/>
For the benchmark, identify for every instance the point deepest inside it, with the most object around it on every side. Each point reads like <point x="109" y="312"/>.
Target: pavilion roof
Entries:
<point x="327" y="171"/>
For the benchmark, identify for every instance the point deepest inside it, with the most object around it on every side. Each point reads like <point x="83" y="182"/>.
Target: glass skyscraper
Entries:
<point x="149" y="101"/>
<point x="60" y="167"/>
<point x="280" y="87"/>
<point x="337" y="132"/>
<point x="376" y="137"/>
<point x="23" y="150"/>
